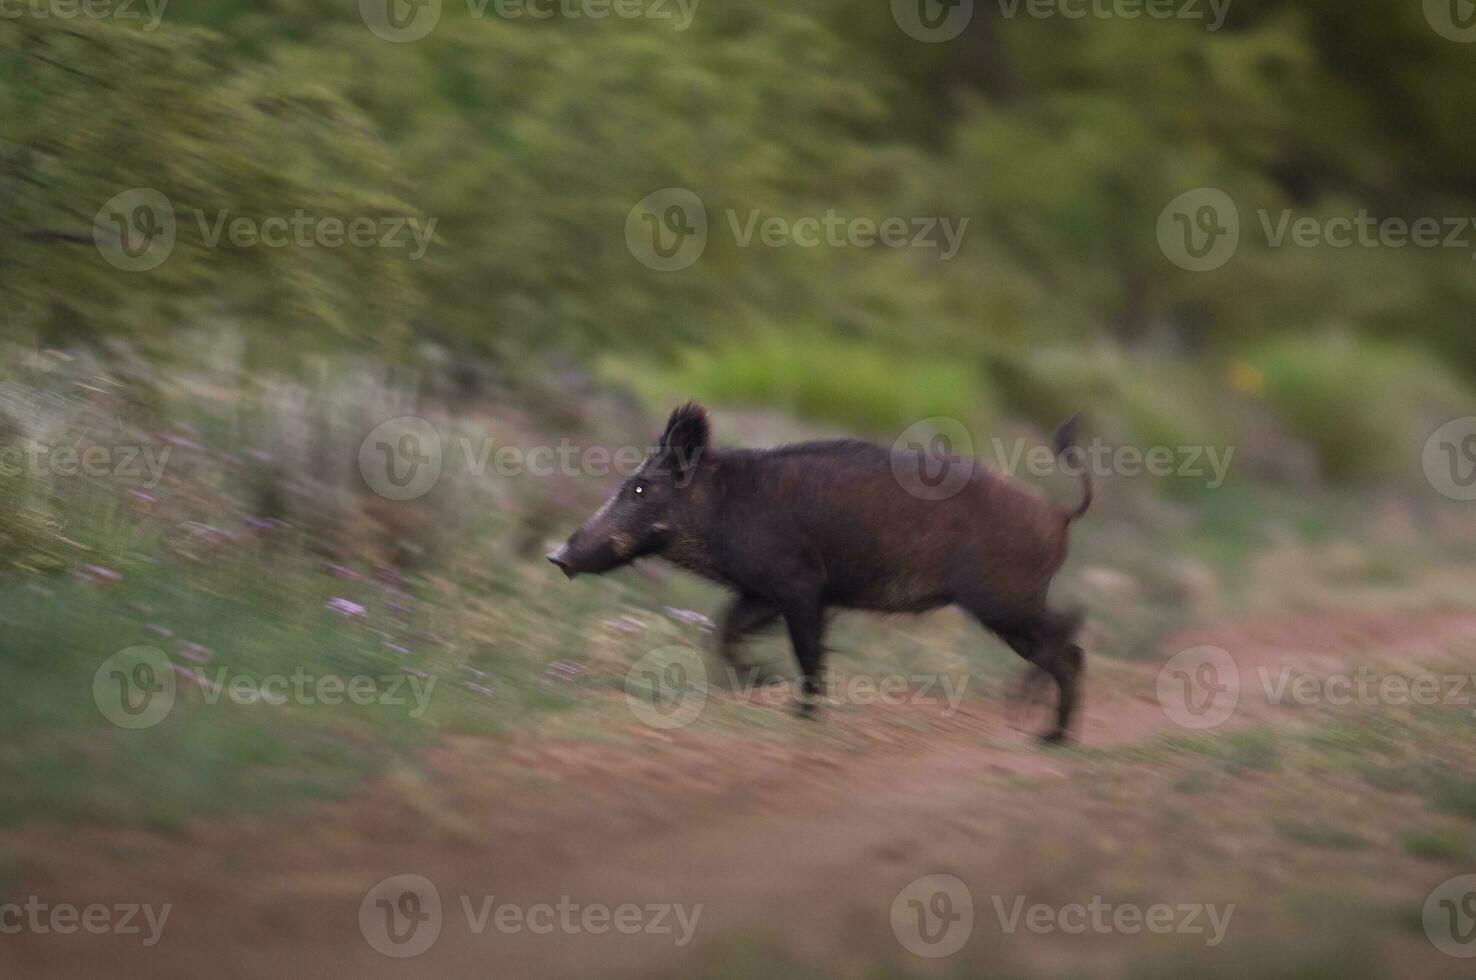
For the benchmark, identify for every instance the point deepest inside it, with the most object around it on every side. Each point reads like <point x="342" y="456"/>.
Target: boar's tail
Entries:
<point x="1063" y="442"/>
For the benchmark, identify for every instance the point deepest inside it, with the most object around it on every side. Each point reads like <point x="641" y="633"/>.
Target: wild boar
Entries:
<point x="799" y="529"/>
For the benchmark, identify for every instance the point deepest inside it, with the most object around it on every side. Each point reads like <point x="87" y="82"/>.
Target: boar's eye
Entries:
<point x="639" y="489"/>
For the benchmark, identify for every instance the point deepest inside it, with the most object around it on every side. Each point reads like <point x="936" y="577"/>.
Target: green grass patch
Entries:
<point x="1360" y="403"/>
<point x="1319" y="835"/>
<point x="1446" y="844"/>
<point x="861" y="386"/>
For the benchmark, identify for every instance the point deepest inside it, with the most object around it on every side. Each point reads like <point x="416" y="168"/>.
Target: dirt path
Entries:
<point x="797" y="843"/>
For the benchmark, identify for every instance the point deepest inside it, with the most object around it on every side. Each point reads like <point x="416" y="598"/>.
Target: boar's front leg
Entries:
<point x="806" y="621"/>
<point x="746" y="614"/>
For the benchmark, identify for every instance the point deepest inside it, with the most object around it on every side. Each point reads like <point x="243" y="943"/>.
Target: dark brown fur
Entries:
<point x="802" y="528"/>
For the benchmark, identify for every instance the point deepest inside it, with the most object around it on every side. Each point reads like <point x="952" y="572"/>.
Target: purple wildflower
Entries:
<point x="627" y="624"/>
<point x="691" y="617"/>
<point x="196" y="652"/>
<point x="184" y="443"/>
<point x="344" y="607"/>
<point x="565" y="670"/>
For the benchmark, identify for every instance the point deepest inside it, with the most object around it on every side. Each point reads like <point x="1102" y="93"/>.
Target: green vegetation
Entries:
<point x="528" y="142"/>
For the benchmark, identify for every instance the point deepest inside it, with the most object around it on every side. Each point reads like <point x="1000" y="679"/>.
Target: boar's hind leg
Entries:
<point x="745" y="615"/>
<point x="1048" y="644"/>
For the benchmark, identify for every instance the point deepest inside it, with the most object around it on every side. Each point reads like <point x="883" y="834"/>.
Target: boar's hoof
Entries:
<point x="1057" y="737"/>
<point x="807" y="708"/>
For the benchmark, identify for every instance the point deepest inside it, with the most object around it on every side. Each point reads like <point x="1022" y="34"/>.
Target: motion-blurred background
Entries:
<point x="247" y="247"/>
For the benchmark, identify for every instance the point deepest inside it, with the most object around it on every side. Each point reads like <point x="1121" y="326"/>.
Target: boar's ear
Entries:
<point x="685" y="438"/>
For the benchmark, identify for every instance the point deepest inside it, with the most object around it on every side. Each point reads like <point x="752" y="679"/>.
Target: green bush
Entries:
<point x="1365" y="406"/>
<point x="1138" y="399"/>
<point x="859" y="386"/>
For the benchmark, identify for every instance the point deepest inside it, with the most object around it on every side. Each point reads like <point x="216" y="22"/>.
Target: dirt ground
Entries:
<point x="795" y="842"/>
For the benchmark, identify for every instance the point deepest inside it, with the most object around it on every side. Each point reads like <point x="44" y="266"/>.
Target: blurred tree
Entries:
<point x="195" y="143"/>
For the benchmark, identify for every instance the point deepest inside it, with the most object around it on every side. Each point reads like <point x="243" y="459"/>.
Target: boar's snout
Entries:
<point x="560" y="558"/>
<point x="590" y="551"/>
